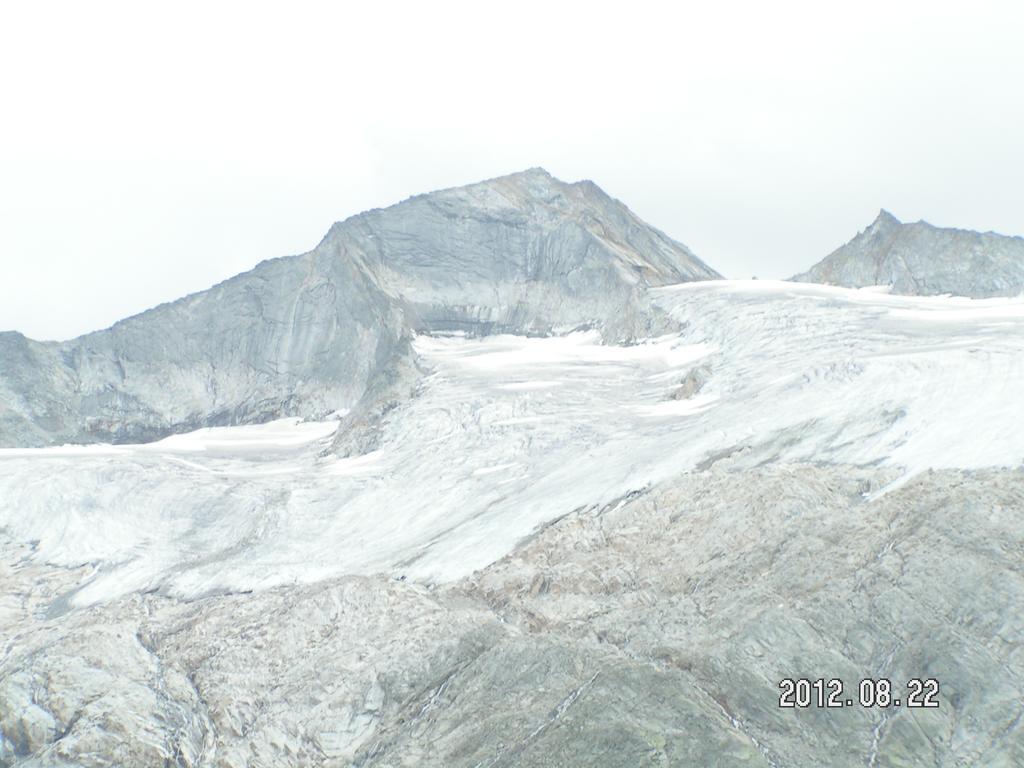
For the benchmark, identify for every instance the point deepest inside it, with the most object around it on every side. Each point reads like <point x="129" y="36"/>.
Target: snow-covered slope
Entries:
<point x="507" y="433"/>
<point x="920" y="259"/>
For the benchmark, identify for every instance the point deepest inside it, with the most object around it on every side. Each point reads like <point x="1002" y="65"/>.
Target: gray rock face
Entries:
<point x="919" y="259"/>
<point x="311" y="334"/>
<point x="300" y="335"/>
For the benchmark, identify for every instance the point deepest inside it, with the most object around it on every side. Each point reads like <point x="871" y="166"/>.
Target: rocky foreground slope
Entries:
<point x="921" y="260"/>
<point x="651" y="632"/>
<point x="313" y="334"/>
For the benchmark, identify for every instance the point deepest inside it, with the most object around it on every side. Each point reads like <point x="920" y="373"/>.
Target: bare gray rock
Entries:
<point x="919" y="259"/>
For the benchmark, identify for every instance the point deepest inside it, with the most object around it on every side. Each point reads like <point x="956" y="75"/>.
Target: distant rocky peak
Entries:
<point x="921" y="259"/>
<point x="884" y="220"/>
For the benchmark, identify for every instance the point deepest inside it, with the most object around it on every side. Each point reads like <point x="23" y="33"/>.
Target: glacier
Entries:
<point x="506" y="433"/>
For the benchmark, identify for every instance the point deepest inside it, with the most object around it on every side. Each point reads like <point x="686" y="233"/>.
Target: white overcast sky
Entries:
<point x="149" y="150"/>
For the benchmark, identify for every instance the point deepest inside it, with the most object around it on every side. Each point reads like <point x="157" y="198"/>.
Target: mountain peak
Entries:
<point x="534" y="175"/>
<point x="920" y="259"/>
<point x="884" y="222"/>
<point x="533" y="172"/>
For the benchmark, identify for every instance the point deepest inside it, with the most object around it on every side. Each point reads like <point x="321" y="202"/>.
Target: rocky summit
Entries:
<point x="310" y="335"/>
<point x="502" y="477"/>
<point x="921" y="260"/>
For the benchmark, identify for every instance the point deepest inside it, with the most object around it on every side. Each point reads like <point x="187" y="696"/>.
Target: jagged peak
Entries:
<point x="884" y="218"/>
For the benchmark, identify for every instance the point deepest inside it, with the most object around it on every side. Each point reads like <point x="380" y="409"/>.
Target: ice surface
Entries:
<point x="509" y="432"/>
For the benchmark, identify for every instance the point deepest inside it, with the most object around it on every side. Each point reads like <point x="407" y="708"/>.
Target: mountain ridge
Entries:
<point x="310" y="334"/>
